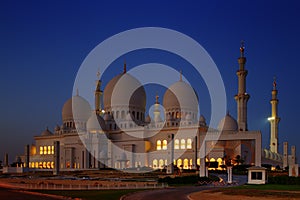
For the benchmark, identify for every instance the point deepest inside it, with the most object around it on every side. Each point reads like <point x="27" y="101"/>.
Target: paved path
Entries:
<point x="178" y="193"/>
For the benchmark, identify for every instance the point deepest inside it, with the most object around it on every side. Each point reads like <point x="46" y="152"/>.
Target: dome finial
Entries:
<point x="274" y="83"/>
<point x="180" y="79"/>
<point x="124" y="67"/>
<point x="156" y="98"/>
<point x="98" y="73"/>
<point x="242" y="48"/>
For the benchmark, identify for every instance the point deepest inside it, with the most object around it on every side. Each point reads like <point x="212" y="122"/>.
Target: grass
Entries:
<point x="271" y="187"/>
<point x="268" y="190"/>
<point x="91" y="194"/>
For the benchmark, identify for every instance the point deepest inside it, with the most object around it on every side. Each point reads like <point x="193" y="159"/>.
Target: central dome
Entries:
<point x="120" y="89"/>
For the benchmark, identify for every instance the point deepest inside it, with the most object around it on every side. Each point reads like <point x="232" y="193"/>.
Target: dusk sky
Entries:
<point x="43" y="44"/>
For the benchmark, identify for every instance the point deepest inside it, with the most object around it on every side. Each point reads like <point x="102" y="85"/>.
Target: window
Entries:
<point x="41" y="150"/>
<point x="179" y="163"/>
<point x="45" y="149"/>
<point x="49" y="149"/>
<point x="161" y="163"/>
<point x="189" y="144"/>
<point x="182" y="144"/>
<point x="158" y="145"/>
<point x="165" y="143"/>
<point x="176" y="144"/>
<point x="154" y="163"/>
<point x="185" y="164"/>
<point x="52" y="149"/>
<point x="256" y="175"/>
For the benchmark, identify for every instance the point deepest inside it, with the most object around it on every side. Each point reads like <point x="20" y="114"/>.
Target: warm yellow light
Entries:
<point x="271" y="118"/>
<point x="103" y="111"/>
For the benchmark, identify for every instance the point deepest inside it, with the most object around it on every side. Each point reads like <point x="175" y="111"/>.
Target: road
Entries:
<point x="178" y="193"/>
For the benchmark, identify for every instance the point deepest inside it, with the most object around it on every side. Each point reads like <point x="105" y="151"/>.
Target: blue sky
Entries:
<point x="43" y="44"/>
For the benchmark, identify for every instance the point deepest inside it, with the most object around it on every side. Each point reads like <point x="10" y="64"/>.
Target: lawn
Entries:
<point x="270" y="187"/>
<point x="91" y="194"/>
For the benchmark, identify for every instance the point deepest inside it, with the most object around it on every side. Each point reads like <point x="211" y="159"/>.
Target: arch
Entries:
<point x="117" y="114"/>
<point x="189" y="143"/>
<point x="182" y="144"/>
<point x="158" y="145"/>
<point x="185" y="163"/>
<point x="164" y="145"/>
<point x="179" y="163"/>
<point x="176" y="144"/>
<point x="161" y="163"/>
<point x="212" y="160"/>
<point x="155" y="163"/>
<point x="122" y="114"/>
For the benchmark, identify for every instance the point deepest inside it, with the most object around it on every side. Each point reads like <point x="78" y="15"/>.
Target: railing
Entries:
<point x="51" y="186"/>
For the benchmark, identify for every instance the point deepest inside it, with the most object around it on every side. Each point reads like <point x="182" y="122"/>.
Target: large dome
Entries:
<point x="228" y="123"/>
<point x="183" y="93"/>
<point x="82" y="109"/>
<point x="122" y="91"/>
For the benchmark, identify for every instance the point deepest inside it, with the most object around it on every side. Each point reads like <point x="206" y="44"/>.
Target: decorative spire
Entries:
<point x="274" y="83"/>
<point x="180" y="79"/>
<point x="242" y="48"/>
<point x="124" y="67"/>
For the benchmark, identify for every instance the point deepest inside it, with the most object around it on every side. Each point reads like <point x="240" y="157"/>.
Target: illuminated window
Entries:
<point x="166" y="162"/>
<point x="41" y="150"/>
<point x="40" y="165"/>
<point x="36" y="165"/>
<point x="45" y="149"/>
<point x="185" y="164"/>
<point x="176" y="144"/>
<point x="191" y="162"/>
<point x="48" y="165"/>
<point x="165" y="143"/>
<point x="174" y="162"/>
<point x="154" y="163"/>
<point x="52" y="165"/>
<point x="198" y="161"/>
<point x="158" y="145"/>
<point x="179" y="163"/>
<point x="44" y="165"/>
<point x="49" y="149"/>
<point x="182" y="144"/>
<point x="29" y="164"/>
<point x="52" y="149"/>
<point x="189" y="144"/>
<point x="161" y="163"/>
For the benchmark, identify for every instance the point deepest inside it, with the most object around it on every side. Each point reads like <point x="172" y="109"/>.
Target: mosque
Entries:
<point x="123" y="136"/>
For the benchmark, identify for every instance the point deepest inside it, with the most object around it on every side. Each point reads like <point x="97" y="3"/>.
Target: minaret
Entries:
<point x="274" y="120"/>
<point x="98" y="95"/>
<point x="242" y="97"/>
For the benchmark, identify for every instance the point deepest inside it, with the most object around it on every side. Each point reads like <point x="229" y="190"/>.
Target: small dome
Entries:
<point x="46" y="132"/>
<point x="183" y="93"/>
<point x="228" y="123"/>
<point x="95" y="122"/>
<point x="148" y="119"/>
<point x="107" y="117"/>
<point x="80" y="106"/>
<point x="128" y="85"/>
<point x="57" y="128"/>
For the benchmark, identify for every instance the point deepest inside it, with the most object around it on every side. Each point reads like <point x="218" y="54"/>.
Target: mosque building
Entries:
<point x="123" y="136"/>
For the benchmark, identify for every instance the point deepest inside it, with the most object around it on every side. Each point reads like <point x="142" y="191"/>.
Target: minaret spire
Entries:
<point x="156" y="111"/>
<point x="98" y="94"/>
<point x="274" y="119"/>
<point x="242" y="97"/>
